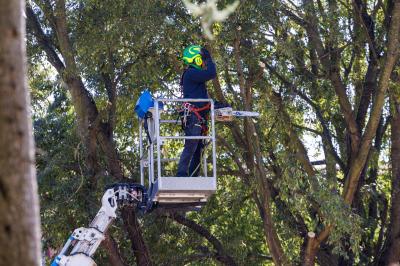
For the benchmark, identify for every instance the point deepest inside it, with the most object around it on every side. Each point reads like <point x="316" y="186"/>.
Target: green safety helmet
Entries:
<point x="192" y="56"/>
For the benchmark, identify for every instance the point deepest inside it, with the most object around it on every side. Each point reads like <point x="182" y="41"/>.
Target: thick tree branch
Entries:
<point x="391" y="58"/>
<point x="393" y="234"/>
<point x="310" y="250"/>
<point x="110" y="152"/>
<point x="111" y="248"/>
<point x="139" y="247"/>
<point x="111" y="88"/>
<point x="43" y="40"/>
<point x="228" y="82"/>
<point x="347" y="69"/>
<point x="332" y="73"/>
<point x="48" y="11"/>
<point x="252" y="147"/>
<point x="221" y="255"/>
<point x="239" y="69"/>
<point x="253" y="78"/>
<point x="367" y="25"/>
<point x="379" y="247"/>
<point x="216" y="84"/>
<point x="326" y="132"/>
<point x="369" y="87"/>
<point x="20" y="236"/>
<point x="274" y="243"/>
<point x="294" y="141"/>
<point x="314" y="131"/>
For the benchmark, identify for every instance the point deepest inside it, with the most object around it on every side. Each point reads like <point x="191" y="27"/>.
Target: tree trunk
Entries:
<point x="251" y="144"/>
<point x="221" y="254"/>
<point x="311" y="250"/>
<point x="264" y="202"/>
<point x="19" y="204"/>
<point x="90" y="127"/>
<point x="135" y="234"/>
<point x="111" y="248"/>
<point x="393" y="253"/>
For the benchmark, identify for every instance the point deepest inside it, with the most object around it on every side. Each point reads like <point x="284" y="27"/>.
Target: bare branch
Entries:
<point x="316" y="132"/>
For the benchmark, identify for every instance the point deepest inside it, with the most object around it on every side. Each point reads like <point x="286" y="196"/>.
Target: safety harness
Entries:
<point x="188" y="108"/>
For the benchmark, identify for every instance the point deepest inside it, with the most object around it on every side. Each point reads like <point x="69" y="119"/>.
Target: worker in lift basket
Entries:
<point x="201" y="69"/>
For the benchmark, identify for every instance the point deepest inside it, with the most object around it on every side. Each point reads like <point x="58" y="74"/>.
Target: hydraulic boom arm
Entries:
<point x="83" y="243"/>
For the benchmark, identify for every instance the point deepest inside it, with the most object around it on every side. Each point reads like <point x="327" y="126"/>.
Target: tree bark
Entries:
<point x="19" y="204"/>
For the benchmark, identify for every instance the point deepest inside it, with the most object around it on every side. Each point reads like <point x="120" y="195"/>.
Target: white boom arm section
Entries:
<point x="83" y="243"/>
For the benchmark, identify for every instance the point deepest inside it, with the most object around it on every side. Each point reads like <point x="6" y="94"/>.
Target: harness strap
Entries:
<point x="188" y="108"/>
<point x="199" y="109"/>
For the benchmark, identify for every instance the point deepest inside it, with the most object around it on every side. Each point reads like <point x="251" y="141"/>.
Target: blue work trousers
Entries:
<point x="189" y="163"/>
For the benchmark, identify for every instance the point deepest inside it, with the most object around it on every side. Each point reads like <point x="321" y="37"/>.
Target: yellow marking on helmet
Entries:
<point x="194" y="49"/>
<point x="190" y="59"/>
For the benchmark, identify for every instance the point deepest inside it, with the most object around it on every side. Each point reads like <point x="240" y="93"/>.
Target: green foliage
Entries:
<point x="138" y="45"/>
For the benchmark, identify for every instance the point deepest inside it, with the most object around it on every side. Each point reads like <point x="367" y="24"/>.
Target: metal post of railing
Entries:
<point x="185" y="137"/>
<point x="213" y="142"/>
<point x="157" y="126"/>
<point x="184" y="100"/>
<point x="151" y="163"/>
<point x="141" y="153"/>
<point x="204" y="164"/>
<point x="150" y="157"/>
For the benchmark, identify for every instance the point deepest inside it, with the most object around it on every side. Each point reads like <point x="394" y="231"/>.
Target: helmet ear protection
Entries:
<point x="198" y="60"/>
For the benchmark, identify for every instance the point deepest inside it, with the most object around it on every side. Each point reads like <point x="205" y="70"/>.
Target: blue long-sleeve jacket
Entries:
<point x="194" y="82"/>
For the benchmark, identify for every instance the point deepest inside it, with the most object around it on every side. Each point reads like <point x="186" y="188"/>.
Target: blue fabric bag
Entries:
<point x="143" y="104"/>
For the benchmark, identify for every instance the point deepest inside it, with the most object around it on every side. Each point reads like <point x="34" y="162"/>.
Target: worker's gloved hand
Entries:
<point x="205" y="54"/>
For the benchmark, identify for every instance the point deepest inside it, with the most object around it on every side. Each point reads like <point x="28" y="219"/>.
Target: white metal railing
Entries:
<point x="156" y="140"/>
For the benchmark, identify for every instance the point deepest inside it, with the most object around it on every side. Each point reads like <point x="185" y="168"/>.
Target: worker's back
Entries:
<point x="194" y="82"/>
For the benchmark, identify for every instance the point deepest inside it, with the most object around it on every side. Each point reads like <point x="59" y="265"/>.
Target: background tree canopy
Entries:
<point x="315" y="179"/>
